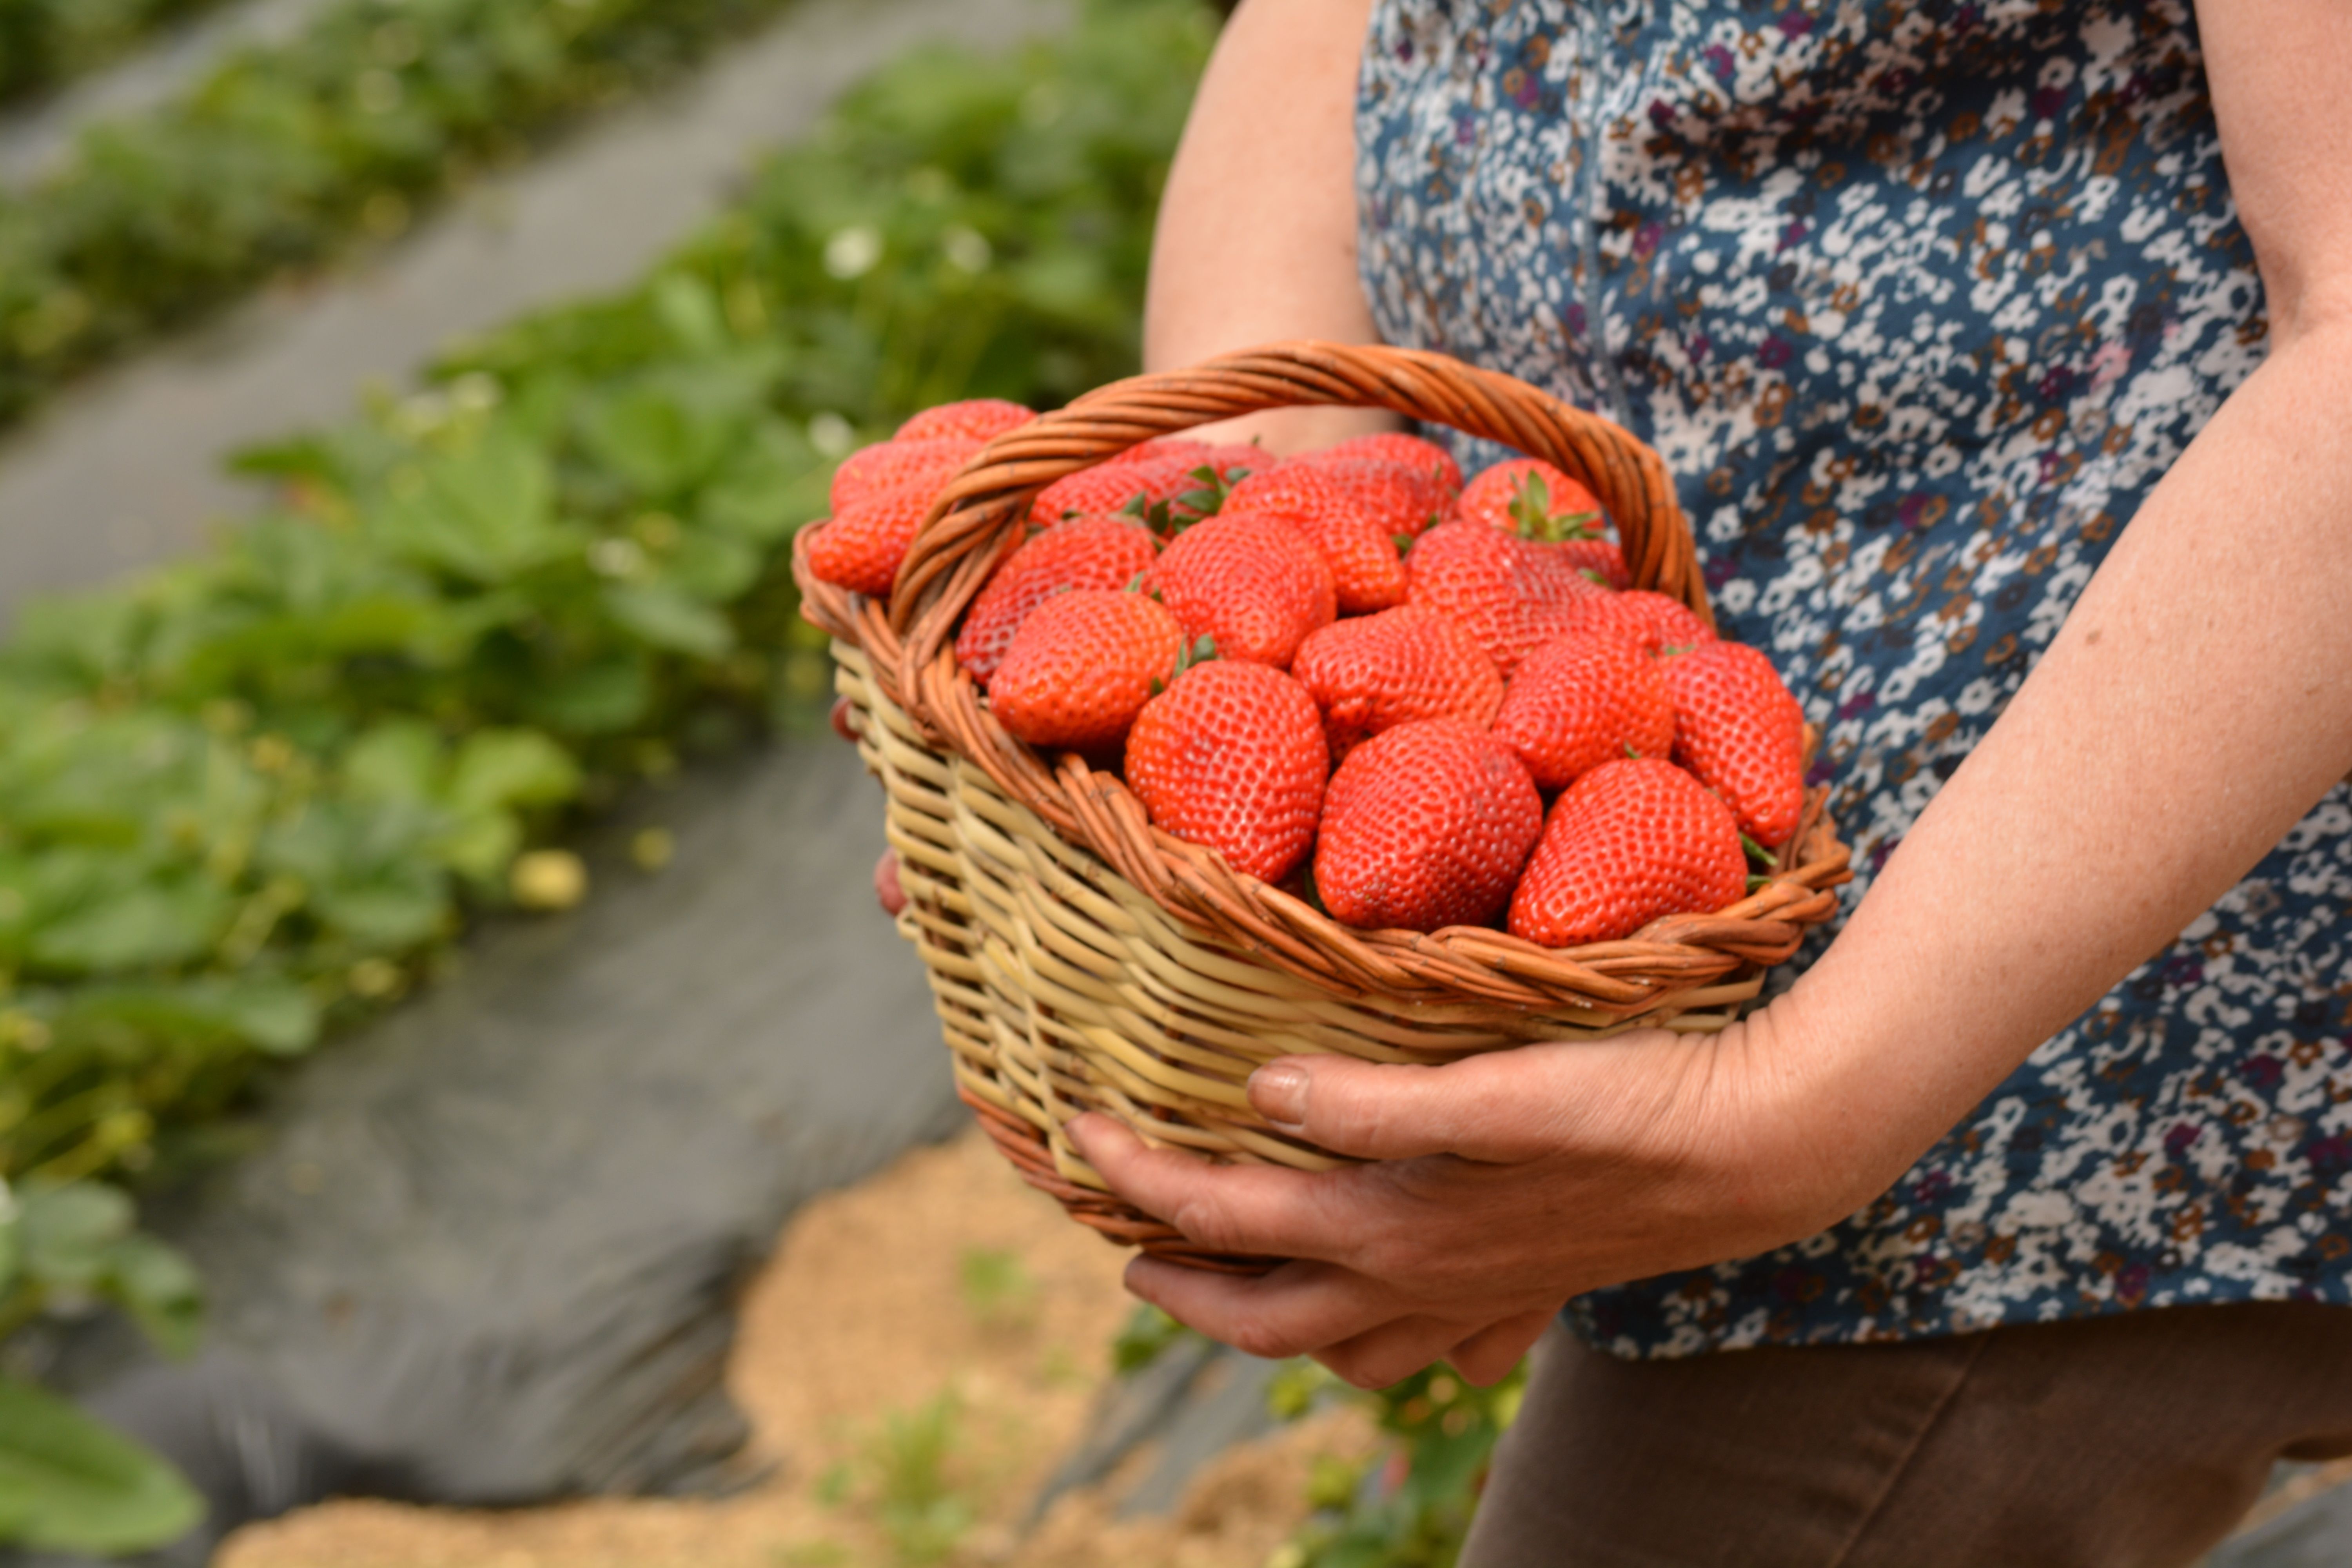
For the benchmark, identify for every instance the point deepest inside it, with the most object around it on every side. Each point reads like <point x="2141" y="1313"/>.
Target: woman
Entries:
<point x="2001" y="349"/>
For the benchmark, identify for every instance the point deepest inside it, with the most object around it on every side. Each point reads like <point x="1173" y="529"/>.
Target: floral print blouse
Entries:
<point x="1918" y="299"/>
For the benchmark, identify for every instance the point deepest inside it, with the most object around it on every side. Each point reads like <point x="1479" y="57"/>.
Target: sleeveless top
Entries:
<point x="1918" y="299"/>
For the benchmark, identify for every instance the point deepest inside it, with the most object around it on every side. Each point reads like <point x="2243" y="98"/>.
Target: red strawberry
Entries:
<point x="1535" y="501"/>
<point x="1250" y="582"/>
<point x="1583" y="699"/>
<point x="978" y="418"/>
<point x="1355" y="513"/>
<point x="1423" y="826"/>
<point x="1393" y="446"/>
<point x="1628" y="842"/>
<point x="1084" y="552"/>
<point x="862" y="547"/>
<point x="1223" y="455"/>
<point x="1652" y="622"/>
<point x="1082" y="667"/>
<point x="1530" y="497"/>
<point x="1231" y="756"/>
<point x="1510" y="594"/>
<point x="896" y="463"/>
<point x="1377" y="671"/>
<point x="1741" y="734"/>
<point x="1111" y="486"/>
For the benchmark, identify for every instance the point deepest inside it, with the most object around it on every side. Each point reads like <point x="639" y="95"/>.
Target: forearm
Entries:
<point x="2193" y="706"/>
<point x="1256" y="236"/>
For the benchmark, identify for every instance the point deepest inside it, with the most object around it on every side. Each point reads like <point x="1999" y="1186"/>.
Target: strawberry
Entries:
<point x="1224" y="457"/>
<point x="1535" y="501"/>
<point x="1393" y="446"/>
<point x="862" y="547"/>
<point x="978" y="419"/>
<point x="1250" y="582"/>
<point x="1652" y="622"/>
<point x="1425" y="825"/>
<point x="1583" y="699"/>
<point x="1530" y="497"/>
<point x="1231" y="756"/>
<point x="1741" y="734"/>
<point x="1110" y="487"/>
<point x="1084" y="552"/>
<point x="1377" y="671"/>
<point x="895" y="463"/>
<point x="1509" y="593"/>
<point x="1170" y="482"/>
<point x="1628" y="842"/>
<point x="1082" y="667"/>
<point x="1358" y="514"/>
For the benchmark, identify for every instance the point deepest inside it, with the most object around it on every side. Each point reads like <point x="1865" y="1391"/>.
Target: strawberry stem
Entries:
<point x="1757" y="853"/>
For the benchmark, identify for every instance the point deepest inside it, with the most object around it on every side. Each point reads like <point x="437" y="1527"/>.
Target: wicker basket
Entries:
<point x="1084" y="960"/>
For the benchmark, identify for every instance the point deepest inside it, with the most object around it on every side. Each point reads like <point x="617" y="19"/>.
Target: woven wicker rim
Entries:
<point x="981" y="518"/>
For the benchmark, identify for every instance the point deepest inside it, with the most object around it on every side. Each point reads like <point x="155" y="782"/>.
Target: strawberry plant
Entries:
<point x="250" y="798"/>
<point x="45" y="43"/>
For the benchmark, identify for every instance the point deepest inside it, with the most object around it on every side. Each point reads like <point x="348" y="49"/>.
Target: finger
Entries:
<point x="1227" y="1208"/>
<point x="1298" y="1310"/>
<point x="1505" y="1107"/>
<point x="887" y="891"/>
<point x="1394" y="1350"/>
<point x="1486" y="1357"/>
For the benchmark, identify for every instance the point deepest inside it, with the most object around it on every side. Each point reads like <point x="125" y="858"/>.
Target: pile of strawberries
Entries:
<point x="1349" y="673"/>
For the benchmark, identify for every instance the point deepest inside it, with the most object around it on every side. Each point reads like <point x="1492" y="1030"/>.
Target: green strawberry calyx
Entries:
<point x="1202" y="651"/>
<point x="1207" y="498"/>
<point x="1759" y="854"/>
<point x="1531" y="515"/>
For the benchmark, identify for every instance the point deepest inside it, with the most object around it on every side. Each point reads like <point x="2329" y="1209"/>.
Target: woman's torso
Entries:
<point x="1919" y="302"/>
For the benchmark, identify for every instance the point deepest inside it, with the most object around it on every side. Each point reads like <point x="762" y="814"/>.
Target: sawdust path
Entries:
<point x="941" y="1312"/>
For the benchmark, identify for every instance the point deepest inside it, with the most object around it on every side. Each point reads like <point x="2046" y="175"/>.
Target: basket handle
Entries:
<point x="980" y="515"/>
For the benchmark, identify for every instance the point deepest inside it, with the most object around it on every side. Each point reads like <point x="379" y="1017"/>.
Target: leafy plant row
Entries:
<point x="45" y="43"/>
<point x="286" y="154"/>
<point x="250" y="798"/>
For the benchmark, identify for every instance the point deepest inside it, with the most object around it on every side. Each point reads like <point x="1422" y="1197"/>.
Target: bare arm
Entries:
<point x="2196" y="703"/>
<point x="1256" y="238"/>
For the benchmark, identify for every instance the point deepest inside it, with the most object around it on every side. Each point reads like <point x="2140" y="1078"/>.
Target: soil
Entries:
<point x="939" y="1310"/>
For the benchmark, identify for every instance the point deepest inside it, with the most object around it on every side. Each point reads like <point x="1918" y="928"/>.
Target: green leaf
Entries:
<point x="690" y="311"/>
<point x="612" y="694"/>
<point x="486" y="512"/>
<point x="712" y="567"/>
<point x="482" y="846"/>
<point x="68" y="1233"/>
<point x="160" y="1288"/>
<point x="399" y="910"/>
<point x="153" y="924"/>
<point x="497" y="768"/>
<point x="70" y="1484"/>
<point x="397" y="760"/>
<point x="275" y="1017"/>
<point x="669" y="619"/>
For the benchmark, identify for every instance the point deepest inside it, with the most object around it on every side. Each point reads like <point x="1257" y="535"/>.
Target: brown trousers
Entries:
<point x="2127" y="1442"/>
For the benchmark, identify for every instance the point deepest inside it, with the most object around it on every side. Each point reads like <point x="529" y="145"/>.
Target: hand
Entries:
<point x="1503" y="1185"/>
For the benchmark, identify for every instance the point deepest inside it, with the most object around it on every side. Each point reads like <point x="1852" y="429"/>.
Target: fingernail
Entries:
<point x="1279" y="1090"/>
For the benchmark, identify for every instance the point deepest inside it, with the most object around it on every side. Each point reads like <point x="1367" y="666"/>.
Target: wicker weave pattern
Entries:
<point x="1084" y="960"/>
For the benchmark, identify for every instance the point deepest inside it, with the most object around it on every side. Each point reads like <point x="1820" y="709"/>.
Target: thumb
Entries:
<point x="1504" y="1108"/>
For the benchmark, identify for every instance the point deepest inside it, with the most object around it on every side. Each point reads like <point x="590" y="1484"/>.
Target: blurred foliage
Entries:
<point x="46" y="43"/>
<point x="1410" y="1505"/>
<point x="287" y="153"/>
<point x="70" y="1484"/>
<point x="248" y="798"/>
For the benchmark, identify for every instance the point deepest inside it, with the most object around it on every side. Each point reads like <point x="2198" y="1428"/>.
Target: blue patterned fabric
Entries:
<point x="1918" y="299"/>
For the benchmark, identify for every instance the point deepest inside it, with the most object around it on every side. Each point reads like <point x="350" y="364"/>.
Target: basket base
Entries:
<point x="1120" y="1223"/>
